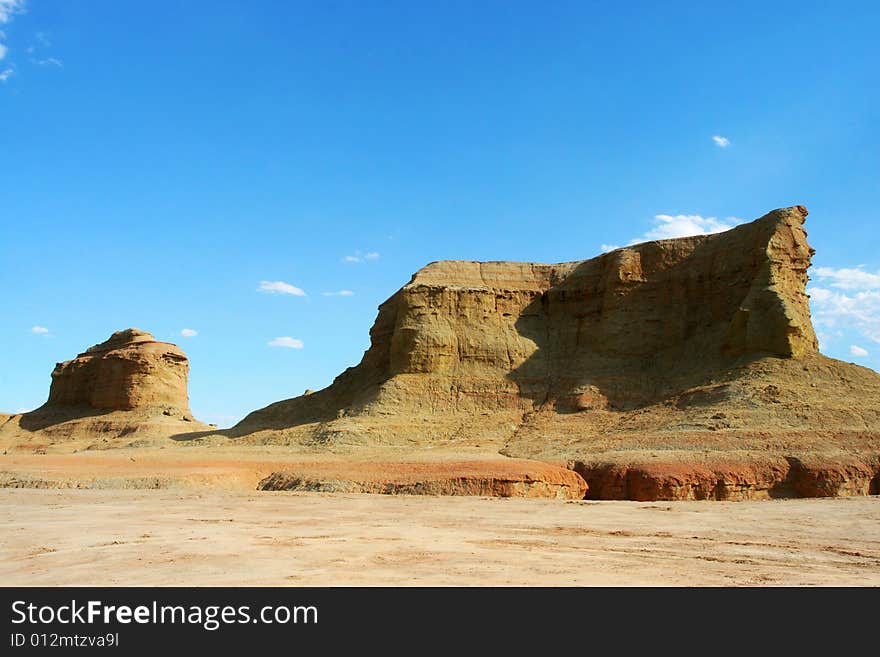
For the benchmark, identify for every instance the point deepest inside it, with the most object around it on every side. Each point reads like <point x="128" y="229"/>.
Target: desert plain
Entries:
<point x="223" y="537"/>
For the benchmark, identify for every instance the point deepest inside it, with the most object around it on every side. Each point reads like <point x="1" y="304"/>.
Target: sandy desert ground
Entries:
<point x="225" y="537"/>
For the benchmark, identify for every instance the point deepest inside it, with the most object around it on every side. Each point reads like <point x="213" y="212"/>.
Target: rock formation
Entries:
<point x="130" y="370"/>
<point x="694" y="356"/>
<point x="129" y="387"/>
<point x="616" y="332"/>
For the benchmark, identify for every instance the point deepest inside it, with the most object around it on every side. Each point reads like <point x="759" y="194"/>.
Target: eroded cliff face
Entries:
<point x="130" y="370"/>
<point x="567" y="334"/>
<point x="620" y="331"/>
<point x="676" y="369"/>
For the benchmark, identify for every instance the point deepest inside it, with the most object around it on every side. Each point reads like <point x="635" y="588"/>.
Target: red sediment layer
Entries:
<point x="481" y="478"/>
<point x="775" y="478"/>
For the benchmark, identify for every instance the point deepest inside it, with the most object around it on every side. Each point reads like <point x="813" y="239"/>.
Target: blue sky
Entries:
<point x="162" y="162"/>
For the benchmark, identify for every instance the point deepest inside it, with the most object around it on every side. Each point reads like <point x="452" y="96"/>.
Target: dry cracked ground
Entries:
<point x="187" y="537"/>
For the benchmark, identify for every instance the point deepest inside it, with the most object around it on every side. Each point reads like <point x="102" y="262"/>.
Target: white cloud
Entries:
<point x="50" y="61"/>
<point x="856" y="350"/>
<point x="667" y="226"/>
<point x="189" y="333"/>
<point x="340" y="293"/>
<point x="684" y="225"/>
<point x="361" y="257"/>
<point x="849" y="279"/>
<point x="851" y="300"/>
<point x="8" y="8"/>
<point x="286" y="341"/>
<point x="280" y="287"/>
<point x="833" y="310"/>
<point x="721" y="142"/>
<point x="820" y="295"/>
<point x="22" y="410"/>
<point x="40" y="330"/>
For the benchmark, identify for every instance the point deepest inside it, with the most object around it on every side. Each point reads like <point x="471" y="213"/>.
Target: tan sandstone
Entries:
<point x="127" y="371"/>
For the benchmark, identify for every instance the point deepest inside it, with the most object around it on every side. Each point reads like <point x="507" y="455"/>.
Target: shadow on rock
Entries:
<point x="633" y="327"/>
<point x="48" y="416"/>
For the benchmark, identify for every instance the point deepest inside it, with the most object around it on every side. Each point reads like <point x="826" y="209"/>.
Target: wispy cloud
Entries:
<point x="856" y="350"/>
<point x="22" y="409"/>
<point x="280" y="287"/>
<point x="340" y="293"/>
<point x="189" y="333"/>
<point x="684" y="225"/>
<point x="833" y="310"/>
<point x="361" y="257"/>
<point x="9" y="8"/>
<point x="847" y="298"/>
<point x="286" y="341"/>
<point x="40" y="330"/>
<point x="667" y="226"/>
<point x="721" y="142"/>
<point x="855" y="278"/>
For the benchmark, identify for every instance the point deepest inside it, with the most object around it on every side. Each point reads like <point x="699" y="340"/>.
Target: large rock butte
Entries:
<point x="130" y="370"/>
<point x="616" y="332"/>
<point x="129" y="387"/>
<point x="677" y="368"/>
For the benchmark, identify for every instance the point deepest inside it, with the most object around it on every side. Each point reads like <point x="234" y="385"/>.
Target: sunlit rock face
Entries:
<point x="130" y="370"/>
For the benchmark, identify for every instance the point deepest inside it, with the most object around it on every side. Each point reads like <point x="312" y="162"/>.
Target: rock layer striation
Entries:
<point x="130" y="370"/>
